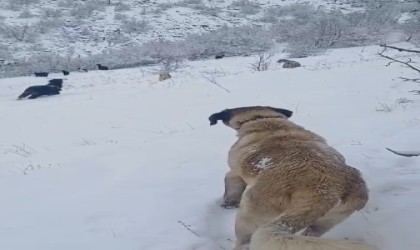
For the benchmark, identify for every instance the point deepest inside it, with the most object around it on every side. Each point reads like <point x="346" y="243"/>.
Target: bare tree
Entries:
<point x="408" y="63"/>
<point x="169" y="55"/>
<point x="21" y="33"/>
<point x="262" y="61"/>
<point x="134" y="26"/>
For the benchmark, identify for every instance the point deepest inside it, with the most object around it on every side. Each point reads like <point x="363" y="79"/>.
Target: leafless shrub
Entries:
<point x="165" y="6"/>
<point x="17" y="4"/>
<point x="44" y="26"/>
<point x="86" y="9"/>
<point x="51" y="13"/>
<point x="262" y="61"/>
<point x="403" y="102"/>
<point x="21" y="33"/>
<point x="281" y="13"/>
<point x="412" y="29"/>
<point x="119" y="16"/>
<point x="212" y="78"/>
<point x="87" y="142"/>
<point x="191" y="2"/>
<point x="383" y="107"/>
<point x="169" y="55"/>
<point x="246" y="7"/>
<point x="82" y="11"/>
<point x="26" y="13"/>
<point x="230" y="41"/>
<point x="65" y="3"/>
<point x="208" y="10"/>
<point x="143" y="11"/>
<point x="120" y="6"/>
<point x="135" y="26"/>
<point x="4" y="53"/>
<point x="116" y="38"/>
<point x="170" y="64"/>
<point x="22" y="149"/>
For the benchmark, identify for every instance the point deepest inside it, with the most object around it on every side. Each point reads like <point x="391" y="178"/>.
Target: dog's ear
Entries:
<point x="222" y="116"/>
<point x="285" y="112"/>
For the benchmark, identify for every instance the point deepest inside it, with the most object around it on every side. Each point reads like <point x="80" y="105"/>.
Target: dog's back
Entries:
<point x="39" y="90"/>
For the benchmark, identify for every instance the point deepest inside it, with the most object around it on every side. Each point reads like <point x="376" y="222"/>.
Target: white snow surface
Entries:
<point x="122" y="161"/>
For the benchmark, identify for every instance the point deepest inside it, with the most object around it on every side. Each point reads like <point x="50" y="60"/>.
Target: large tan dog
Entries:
<point x="286" y="179"/>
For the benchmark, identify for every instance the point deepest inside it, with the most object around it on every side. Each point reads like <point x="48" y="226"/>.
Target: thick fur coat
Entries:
<point x="285" y="179"/>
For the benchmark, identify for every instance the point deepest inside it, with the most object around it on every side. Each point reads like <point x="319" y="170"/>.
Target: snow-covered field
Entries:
<point x="121" y="161"/>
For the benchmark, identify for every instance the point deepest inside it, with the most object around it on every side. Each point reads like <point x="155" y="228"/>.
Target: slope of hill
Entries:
<point x="121" y="161"/>
<point x="81" y="28"/>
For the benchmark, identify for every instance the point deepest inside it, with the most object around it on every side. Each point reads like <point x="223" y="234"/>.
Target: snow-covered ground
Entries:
<point x="122" y="161"/>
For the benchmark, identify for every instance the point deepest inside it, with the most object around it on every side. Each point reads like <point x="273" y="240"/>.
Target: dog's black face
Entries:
<point x="226" y="115"/>
<point x="58" y="83"/>
<point x="221" y="116"/>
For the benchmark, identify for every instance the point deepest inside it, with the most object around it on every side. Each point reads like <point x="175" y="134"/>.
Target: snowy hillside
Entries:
<point x="89" y="27"/>
<point x="122" y="161"/>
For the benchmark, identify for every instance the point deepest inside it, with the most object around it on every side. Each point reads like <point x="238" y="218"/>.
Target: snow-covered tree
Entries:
<point x="169" y="55"/>
<point x="246" y="7"/>
<point x="21" y="33"/>
<point x="135" y="26"/>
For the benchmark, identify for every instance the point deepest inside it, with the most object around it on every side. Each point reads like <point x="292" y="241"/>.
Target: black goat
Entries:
<point x="100" y="67"/>
<point x="82" y="70"/>
<point x="219" y="56"/>
<point x="41" y="74"/>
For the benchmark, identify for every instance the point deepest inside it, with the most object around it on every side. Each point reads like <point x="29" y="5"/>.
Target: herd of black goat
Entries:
<point x="53" y="87"/>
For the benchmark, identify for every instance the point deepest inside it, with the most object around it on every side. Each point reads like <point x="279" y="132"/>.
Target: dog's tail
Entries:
<point x="263" y="239"/>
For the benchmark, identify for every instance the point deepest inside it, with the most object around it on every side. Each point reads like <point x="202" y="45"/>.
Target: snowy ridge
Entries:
<point x="63" y="28"/>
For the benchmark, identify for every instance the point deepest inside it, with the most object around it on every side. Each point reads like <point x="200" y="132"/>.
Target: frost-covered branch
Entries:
<point x="405" y="153"/>
<point x="262" y="61"/>
<point x="399" y="49"/>
<point x="407" y="63"/>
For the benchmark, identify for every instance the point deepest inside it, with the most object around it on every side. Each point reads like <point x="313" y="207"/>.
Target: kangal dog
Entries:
<point x="284" y="179"/>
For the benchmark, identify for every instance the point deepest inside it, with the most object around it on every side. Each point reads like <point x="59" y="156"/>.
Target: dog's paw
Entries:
<point x="227" y="204"/>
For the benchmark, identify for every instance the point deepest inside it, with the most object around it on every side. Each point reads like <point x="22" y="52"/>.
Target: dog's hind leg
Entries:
<point x="234" y="188"/>
<point x="334" y="217"/>
<point x="245" y="226"/>
<point x="295" y="219"/>
<point x="34" y="96"/>
<point x="255" y="216"/>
